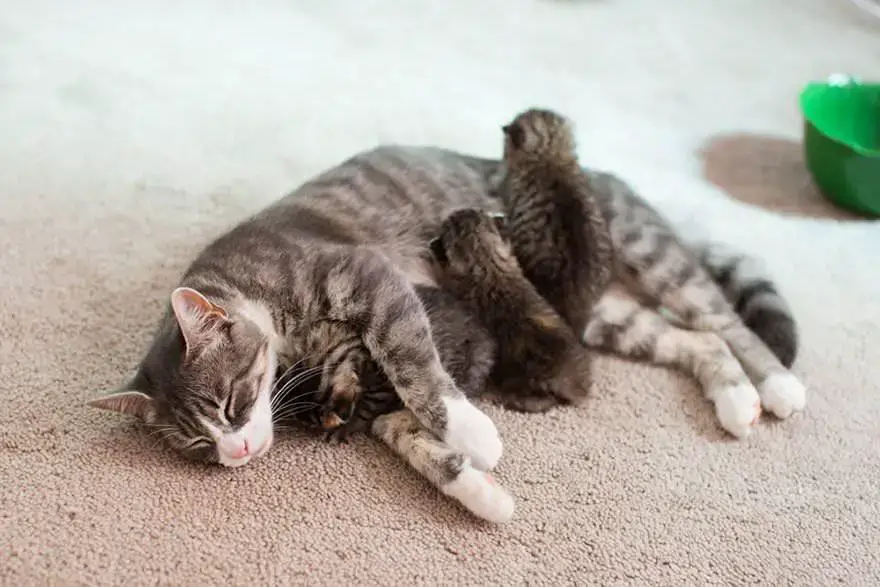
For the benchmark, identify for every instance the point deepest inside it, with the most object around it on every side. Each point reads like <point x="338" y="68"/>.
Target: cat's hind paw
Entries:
<point x="481" y="495"/>
<point x="738" y="408"/>
<point x="472" y="432"/>
<point x="782" y="394"/>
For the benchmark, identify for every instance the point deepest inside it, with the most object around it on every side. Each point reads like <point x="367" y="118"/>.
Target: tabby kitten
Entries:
<point x="554" y="221"/>
<point x="353" y="390"/>
<point x="540" y="363"/>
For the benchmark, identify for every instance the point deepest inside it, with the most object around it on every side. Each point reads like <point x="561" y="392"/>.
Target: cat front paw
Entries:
<point x="470" y="431"/>
<point x="481" y="495"/>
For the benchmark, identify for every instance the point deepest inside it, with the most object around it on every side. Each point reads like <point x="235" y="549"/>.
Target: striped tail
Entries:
<point x="749" y="289"/>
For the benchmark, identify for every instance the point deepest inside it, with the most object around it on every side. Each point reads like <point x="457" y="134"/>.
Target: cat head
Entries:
<point x="538" y="133"/>
<point x="205" y="385"/>
<point x="470" y="238"/>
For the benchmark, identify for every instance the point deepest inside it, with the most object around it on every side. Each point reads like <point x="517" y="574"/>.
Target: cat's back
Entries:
<point x="390" y="195"/>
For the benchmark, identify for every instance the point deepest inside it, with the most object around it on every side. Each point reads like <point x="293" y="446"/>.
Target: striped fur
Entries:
<point x="749" y="289"/>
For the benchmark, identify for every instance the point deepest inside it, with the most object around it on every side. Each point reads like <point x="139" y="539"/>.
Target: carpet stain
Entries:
<point x="768" y="172"/>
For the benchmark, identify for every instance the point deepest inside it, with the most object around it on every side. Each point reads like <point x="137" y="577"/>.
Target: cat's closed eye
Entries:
<point x="227" y="407"/>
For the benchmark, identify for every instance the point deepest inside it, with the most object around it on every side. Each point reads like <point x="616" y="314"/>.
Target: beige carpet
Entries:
<point x="131" y="132"/>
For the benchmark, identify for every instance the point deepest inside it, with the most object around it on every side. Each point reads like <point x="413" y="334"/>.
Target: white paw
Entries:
<point x="782" y="394"/>
<point x="470" y="431"/>
<point x="738" y="408"/>
<point x="481" y="495"/>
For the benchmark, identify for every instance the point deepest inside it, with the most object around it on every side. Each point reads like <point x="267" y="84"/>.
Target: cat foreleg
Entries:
<point x="447" y="469"/>
<point x="369" y="293"/>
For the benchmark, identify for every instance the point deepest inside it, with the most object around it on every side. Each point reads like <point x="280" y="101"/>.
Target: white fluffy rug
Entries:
<point x="131" y="132"/>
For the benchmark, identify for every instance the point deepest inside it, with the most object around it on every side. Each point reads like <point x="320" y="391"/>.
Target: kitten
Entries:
<point x="540" y="362"/>
<point x="554" y="220"/>
<point x="353" y="390"/>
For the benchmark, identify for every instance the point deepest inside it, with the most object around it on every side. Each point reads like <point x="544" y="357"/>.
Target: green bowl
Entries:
<point x="842" y="142"/>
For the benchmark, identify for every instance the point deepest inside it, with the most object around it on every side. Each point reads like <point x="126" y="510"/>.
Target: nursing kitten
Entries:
<point x="554" y="220"/>
<point x="540" y="362"/>
<point x="353" y="390"/>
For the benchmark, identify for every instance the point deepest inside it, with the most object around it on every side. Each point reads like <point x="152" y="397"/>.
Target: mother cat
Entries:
<point x="348" y="247"/>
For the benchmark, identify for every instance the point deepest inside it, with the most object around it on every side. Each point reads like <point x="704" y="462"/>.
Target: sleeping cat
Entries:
<point x="348" y="246"/>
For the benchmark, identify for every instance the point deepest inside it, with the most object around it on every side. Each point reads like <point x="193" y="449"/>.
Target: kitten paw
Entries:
<point x="481" y="495"/>
<point x="472" y="432"/>
<point x="782" y="394"/>
<point x="738" y="408"/>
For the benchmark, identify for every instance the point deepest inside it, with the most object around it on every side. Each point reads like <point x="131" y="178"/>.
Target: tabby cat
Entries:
<point x="540" y="361"/>
<point x="349" y="247"/>
<point x="554" y="221"/>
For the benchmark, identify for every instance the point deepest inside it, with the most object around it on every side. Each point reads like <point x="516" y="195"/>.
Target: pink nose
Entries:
<point x="241" y="451"/>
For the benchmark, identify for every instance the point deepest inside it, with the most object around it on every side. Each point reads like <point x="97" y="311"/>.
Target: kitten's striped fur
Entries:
<point x="540" y="361"/>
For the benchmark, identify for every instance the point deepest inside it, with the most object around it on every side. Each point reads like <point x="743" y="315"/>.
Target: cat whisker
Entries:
<point x="163" y="430"/>
<point x="295" y="406"/>
<point x="293" y="384"/>
<point x="162" y="438"/>
<point x="293" y="410"/>
<point x="296" y="399"/>
<point x="281" y="377"/>
<point x="291" y="397"/>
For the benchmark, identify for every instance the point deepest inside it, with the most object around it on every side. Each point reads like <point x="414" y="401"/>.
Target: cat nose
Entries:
<point x="242" y="450"/>
<point x="235" y="448"/>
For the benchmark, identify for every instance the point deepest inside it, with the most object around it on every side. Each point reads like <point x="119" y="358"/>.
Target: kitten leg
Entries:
<point x="448" y="470"/>
<point x="671" y="275"/>
<point x="367" y="292"/>
<point x="623" y="326"/>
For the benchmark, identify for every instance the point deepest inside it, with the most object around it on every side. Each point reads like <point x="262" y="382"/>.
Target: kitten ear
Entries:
<point x="499" y="219"/>
<point x="196" y="315"/>
<point x="438" y="251"/>
<point x="125" y="401"/>
<point x="515" y="134"/>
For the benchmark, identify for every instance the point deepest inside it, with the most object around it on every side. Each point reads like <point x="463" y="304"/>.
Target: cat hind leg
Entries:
<point x="621" y="325"/>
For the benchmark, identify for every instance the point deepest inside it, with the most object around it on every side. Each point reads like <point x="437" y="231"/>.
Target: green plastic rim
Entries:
<point x="842" y="142"/>
<point x="845" y="113"/>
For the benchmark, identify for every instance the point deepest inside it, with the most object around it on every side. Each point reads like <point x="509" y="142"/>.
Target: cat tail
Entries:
<point x="749" y="289"/>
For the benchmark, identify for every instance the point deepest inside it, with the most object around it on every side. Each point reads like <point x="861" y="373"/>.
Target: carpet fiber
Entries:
<point x="133" y="132"/>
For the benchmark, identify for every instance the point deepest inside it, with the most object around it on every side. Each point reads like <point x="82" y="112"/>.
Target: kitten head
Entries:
<point x="205" y="384"/>
<point x="538" y="133"/>
<point x="470" y="238"/>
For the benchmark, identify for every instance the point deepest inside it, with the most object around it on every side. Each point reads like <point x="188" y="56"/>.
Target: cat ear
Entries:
<point x="499" y="219"/>
<point x="195" y="314"/>
<point x="438" y="251"/>
<point x="125" y="401"/>
<point x="515" y="134"/>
